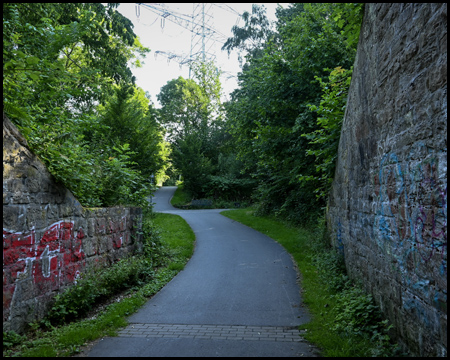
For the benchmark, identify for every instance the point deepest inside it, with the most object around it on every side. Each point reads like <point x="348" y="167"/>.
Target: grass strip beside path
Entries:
<point x="180" y="198"/>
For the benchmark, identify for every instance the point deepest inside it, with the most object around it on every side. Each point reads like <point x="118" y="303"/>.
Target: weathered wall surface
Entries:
<point x="388" y="205"/>
<point x="48" y="237"/>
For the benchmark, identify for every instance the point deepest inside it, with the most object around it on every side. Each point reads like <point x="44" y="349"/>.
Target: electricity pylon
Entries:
<point x="203" y="35"/>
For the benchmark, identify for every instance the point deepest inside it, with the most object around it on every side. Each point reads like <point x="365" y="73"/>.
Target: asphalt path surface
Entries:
<point x="237" y="296"/>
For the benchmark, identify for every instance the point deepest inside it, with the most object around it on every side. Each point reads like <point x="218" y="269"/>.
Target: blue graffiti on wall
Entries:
<point x="410" y="224"/>
<point x="340" y="244"/>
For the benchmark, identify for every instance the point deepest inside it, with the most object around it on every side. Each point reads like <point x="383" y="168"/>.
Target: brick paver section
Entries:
<point x="217" y="332"/>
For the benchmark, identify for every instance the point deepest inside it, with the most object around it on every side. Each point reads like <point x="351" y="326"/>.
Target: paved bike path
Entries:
<point x="237" y="296"/>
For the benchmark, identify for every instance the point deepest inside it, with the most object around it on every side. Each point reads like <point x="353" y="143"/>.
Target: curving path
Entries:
<point x="237" y="296"/>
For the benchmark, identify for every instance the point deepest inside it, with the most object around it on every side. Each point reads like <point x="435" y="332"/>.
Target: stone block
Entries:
<point x="20" y="198"/>
<point x="90" y="246"/>
<point x="100" y="226"/>
<point x="91" y="226"/>
<point x="11" y="217"/>
<point x="103" y="241"/>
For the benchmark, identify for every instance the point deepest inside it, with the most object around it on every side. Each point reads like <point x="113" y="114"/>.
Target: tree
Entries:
<point x="65" y="52"/>
<point x="271" y="109"/>
<point x="184" y="107"/>
<point x="128" y="118"/>
<point x="252" y="37"/>
<point x="59" y="62"/>
<point x="192" y="114"/>
<point x="185" y="115"/>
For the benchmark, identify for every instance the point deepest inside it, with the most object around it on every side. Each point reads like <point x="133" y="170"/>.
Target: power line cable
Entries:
<point x="203" y="34"/>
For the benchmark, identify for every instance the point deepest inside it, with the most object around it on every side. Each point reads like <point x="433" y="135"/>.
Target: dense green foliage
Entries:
<point x="202" y="149"/>
<point x="68" y="86"/>
<point x="324" y="141"/>
<point x="276" y="140"/>
<point x="79" y="299"/>
<point x="280" y="91"/>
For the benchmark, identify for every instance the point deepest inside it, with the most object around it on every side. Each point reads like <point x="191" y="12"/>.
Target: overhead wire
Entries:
<point x="191" y="24"/>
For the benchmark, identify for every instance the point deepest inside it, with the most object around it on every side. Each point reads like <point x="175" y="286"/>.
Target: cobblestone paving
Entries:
<point x="218" y="332"/>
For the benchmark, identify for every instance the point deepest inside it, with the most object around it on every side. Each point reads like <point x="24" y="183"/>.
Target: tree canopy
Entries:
<point x="68" y="86"/>
<point x="280" y="89"/>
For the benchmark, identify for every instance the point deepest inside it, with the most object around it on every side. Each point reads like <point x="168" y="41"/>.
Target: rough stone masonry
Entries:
<point x="387" y="210"/>
<point x="48" y="237"/>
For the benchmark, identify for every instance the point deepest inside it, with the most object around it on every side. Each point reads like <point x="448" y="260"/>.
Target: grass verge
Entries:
<point x="177" y="242"/>
<point x="178" y="239"/>
<point x="345" y="321"/>
<point x="180" y="198"/>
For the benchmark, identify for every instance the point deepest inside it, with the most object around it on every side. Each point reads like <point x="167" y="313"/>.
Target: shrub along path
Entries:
<point x="237" y="296"/>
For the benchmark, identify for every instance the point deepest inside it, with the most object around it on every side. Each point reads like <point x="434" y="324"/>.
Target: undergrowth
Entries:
<point x="353" y="315"/>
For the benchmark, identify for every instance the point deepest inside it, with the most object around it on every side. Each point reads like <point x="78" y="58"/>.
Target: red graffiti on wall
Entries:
<point x="56" y="259"/>
<point x="116" y="231"/>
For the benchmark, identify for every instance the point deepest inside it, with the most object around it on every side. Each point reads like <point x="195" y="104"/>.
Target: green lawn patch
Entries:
<point x="180" y="198"/>
<point x="178" y="238"/>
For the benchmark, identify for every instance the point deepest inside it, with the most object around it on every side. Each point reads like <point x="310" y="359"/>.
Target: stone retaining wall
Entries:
<point x="48" y="237"/>
<point x="388" y="205"/>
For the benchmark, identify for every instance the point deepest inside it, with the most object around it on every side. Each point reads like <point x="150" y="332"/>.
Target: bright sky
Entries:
<point x="161" y="34"/>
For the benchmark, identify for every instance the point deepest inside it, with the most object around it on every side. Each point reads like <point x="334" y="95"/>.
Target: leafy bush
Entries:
<point x="290" y="202"/>
<point x="357" y="315"/>
<point x="331" y="270"/>
<point x="11" y="338"/>
<point x="230" y="188"/>
<point x="224" y="204"/>
<point x="121" y="183"/>
<point x="154" y="250"/>
<point x="98" y="286"/>
<point x="355" y="312"/>
<point x="323" y="142"/>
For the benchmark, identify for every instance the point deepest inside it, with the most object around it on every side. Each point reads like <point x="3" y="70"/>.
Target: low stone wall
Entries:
<point x="48" y="237"/>
<point x="388" y="205"/>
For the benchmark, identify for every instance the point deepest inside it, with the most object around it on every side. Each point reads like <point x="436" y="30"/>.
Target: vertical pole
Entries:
<point x="192" y="38"/>
<point x="203" y="32"/>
